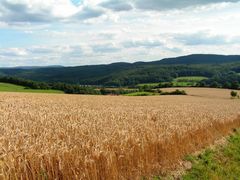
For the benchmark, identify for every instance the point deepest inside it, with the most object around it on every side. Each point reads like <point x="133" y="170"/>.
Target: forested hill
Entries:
<point x="200" y="59"/>
<point x="126" y="74"/>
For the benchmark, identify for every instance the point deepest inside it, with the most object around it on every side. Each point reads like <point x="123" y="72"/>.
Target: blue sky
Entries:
<point x="59" y="32"/>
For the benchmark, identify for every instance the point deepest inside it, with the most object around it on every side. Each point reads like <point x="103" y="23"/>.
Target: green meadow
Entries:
<point x="187" y="81"/>
<point x="6" y="87"/>
<point x="221" y="163"/>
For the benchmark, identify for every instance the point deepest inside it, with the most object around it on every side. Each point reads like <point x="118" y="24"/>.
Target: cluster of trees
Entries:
<point x="74" y="89"/>
<point x="228" y="80"/>
<point x="176" y="92"/>
<point x="27" y="83"/>
<point x="116" y="91"/>
<point x="148" y="88"/>
<point x="155" y="89"/>
<point x="67" y="88"/>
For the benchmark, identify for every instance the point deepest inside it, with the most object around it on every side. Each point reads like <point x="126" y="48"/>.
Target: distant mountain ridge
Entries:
<point x="201" y="59"/>
<point x="122" y="73"/>
<point x="188" y="59"/>
<point x="33" y="67"/>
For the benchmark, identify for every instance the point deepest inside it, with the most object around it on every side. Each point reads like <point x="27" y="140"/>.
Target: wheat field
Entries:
<point x="102" y="137"/>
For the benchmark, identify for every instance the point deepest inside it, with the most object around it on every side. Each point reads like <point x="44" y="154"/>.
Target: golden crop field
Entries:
<point x="102" y="137"/>
<point x="206" y="92"/>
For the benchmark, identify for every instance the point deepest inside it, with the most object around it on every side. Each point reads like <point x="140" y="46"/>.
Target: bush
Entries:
<point x="141" y="94"/>
<point x="145" y="88"/>
<point x="117" y="91"/>
<point x="234" y="94"/>
<point x="165" y="85"/>
<point x="176" y="92"/>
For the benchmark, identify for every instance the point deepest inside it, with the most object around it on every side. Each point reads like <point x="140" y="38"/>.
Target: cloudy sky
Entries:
<point x="80" y="32"/>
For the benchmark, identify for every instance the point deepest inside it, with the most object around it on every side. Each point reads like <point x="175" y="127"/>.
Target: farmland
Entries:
<point x="187" y="81"/>
<point x="211" y="93"/>
<point x="53" y="136"/>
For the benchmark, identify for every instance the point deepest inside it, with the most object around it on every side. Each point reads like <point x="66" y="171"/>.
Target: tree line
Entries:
<point x="66" y="88"/>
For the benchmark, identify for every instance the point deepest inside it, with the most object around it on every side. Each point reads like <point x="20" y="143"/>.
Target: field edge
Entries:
<point x="190" y="143"/>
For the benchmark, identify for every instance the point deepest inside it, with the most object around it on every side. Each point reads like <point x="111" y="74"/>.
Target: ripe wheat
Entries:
<point x="100" y="137"/>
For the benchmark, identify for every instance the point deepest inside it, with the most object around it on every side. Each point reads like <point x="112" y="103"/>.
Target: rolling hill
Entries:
<point x="131" y="73"/>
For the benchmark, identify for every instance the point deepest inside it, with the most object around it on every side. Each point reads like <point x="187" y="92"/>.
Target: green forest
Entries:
<point x="188" y="71"/>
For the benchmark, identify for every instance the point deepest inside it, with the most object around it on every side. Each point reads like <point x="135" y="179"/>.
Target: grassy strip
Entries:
<point x="191" y="78"/>
<point x="221" y="163"/>
<point x="186" y="81"/>
<point x="148" y="84"/>
<point x="6" y="87"/>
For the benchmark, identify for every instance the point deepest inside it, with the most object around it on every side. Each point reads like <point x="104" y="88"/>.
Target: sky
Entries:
<point x="86" y="32"/>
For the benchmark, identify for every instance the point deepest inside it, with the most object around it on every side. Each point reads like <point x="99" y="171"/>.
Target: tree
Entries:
<point x="103" y="91"/>
<point x="235" y="85"/>
<point x="227" y="85"/>
<point x="214" y="84"/>
<point x="234" y="94"/>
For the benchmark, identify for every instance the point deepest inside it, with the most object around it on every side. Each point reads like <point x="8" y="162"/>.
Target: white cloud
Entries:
<point x="173" y="4"/>
<point x="103" y="31"/>
<point x="13" y="52"/>
<point x="117" y="5"/>
<point x="105" y="48"/>
<point x="143" y="43"/>
<point x="202" y="38"/>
